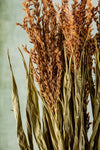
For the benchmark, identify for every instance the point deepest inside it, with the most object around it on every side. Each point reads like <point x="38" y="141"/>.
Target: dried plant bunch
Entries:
<point x="62" y="62"/>
<point x="48" y="30"/>
<point x="51" y="32"/>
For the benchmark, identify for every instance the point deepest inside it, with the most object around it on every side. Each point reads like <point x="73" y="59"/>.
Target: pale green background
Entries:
<point x="12" y="36"/>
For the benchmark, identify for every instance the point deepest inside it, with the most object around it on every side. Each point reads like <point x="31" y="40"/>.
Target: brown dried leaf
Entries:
<point x="16" y="107"/>
<point x="28" y="120"/>
<point x="32" y="110"/>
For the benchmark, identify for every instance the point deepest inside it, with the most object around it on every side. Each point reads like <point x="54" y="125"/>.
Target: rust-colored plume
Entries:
<point x="44" y="33"/>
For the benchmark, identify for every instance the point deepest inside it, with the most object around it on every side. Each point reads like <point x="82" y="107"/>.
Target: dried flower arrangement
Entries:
<point x="61" y="62"/>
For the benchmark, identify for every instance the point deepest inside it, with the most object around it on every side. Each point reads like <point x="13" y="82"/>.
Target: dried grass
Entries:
<point x="63" y="53"/>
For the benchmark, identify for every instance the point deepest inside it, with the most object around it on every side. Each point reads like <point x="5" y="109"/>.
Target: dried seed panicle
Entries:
<point x="44" y="33"/>
<point x="71" y="42"/>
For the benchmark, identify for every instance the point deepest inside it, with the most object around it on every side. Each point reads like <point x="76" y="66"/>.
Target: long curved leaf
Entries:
<point x="16" y="107"/>
<point x="32" y="109"/>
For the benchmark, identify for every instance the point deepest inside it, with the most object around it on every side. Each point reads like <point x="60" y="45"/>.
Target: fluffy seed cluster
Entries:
<point x="71" y="42"/>
<point x="44" y="32"/>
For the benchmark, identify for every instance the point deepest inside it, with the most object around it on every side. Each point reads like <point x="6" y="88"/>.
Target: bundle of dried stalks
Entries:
<point x="63" y="52"/>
